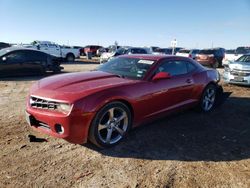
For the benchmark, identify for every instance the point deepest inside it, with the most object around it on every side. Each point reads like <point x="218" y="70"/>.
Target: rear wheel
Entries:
<point x="208" y="98"/>
<point x="110" y="125"/>
<point x="70" y="57"/>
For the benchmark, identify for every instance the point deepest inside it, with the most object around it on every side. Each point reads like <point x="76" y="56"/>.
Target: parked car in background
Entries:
<point x="22" y="61"/>
<point x="163" y="51"/>
<point x="4" y="45"/>
<point x="211" y="57"/>
<point x="151" y="49"/>
<point x="91" y="49"/>
<point x="65" y="52"/>
<point x="191" y="53"/>
<point x="122" y="51"/>
<point x="123" y="93"/>
<point x="177" y="49"/>
<point x="167" y="51"/>
<point x="77" y="47"/>
<point x="100" y="51"/>
<point x="233" y="55"/>
<point x="238" y="72"/>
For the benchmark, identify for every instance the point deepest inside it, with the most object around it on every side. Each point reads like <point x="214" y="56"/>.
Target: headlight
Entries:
<point x="64" y="108"/>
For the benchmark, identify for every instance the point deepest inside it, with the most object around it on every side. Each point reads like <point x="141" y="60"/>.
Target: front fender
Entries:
<point x="96" y="101"/>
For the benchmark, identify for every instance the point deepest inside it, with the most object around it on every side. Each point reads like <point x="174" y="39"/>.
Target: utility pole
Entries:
<point x="173" y="45"/>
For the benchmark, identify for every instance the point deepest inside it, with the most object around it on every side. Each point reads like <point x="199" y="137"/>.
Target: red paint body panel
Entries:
<point x="89" y="91"/>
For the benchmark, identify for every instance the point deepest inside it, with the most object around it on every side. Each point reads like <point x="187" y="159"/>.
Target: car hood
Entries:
<point x="73" y="86"/>
<point x="239" y="65"/>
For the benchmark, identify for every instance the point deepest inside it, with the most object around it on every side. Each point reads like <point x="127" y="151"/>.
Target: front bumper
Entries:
<point x="241" y="80"/>
<point x="73" y="127"/>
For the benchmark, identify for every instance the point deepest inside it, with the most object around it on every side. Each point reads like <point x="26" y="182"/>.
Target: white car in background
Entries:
<point x="65" y="52"/>
<point x="238" y="72"/>
<point x="233" y="55"/>
<point x="105" y="57"/>
<point x="191" y="53"/>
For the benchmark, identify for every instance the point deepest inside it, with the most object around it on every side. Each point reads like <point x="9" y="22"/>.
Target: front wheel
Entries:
<point x="110" y="125"/>
<point x="208" y="98"/>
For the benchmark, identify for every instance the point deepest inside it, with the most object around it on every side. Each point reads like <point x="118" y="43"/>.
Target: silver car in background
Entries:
<point x="191" y="53"/>
<point x="238" y="72"/>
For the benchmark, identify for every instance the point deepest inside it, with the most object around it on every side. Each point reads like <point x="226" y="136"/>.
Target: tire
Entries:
<point x="110" y="125"/>
<point x="208" y="98"/>
<point x="57" y="70"/>
<point x="70" y="58"/>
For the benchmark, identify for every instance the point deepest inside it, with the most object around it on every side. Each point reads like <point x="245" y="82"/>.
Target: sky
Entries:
<point x="193" y="23"/>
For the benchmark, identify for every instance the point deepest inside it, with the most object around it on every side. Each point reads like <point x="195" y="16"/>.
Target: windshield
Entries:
<point x="112" y="48"/>
<point x="244" y="58"/>
<point x="121" y="51"/>
<point x="127" y="67"/>
<point x="3" y="52"/>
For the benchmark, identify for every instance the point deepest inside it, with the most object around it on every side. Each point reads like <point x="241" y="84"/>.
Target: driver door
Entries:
<point x="170" y="93"/>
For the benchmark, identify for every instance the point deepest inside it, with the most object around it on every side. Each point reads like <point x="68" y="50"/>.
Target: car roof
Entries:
<point x="148" y="56"/>
<point x="15" y="48"/>
<point x="19" y="48"/>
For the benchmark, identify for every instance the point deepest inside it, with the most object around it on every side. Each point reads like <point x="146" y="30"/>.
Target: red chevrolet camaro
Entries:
<point x="103" y="105"/>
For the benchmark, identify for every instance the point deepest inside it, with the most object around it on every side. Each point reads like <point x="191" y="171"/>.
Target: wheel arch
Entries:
<point x="122" y="100"/>
<point x="127" y="103"/>
<point x="70" y="53"/>
<point x="90" y="128"/>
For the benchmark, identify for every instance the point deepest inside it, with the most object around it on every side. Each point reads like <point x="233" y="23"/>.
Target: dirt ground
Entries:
<point x="188" y="149"/>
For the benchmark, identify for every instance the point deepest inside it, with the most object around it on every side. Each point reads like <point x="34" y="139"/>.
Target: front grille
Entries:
<point x="36" y="102"/>
<point x="238" y="72"/>
<point x="233" y="80"/>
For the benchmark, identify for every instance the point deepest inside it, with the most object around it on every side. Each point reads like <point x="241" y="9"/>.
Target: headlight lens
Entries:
<point x="64" y="108"/>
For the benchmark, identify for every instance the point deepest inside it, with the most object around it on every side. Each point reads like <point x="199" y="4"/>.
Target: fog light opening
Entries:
<point x="59" y="129"/>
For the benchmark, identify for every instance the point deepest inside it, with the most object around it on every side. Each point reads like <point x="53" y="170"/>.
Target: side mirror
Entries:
<point x="4" y="58"/>
<point x="161" y="75"/>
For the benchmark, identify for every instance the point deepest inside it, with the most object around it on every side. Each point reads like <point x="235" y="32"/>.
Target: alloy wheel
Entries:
<point x="208" y="99"/>
<point x="112" y="125"/>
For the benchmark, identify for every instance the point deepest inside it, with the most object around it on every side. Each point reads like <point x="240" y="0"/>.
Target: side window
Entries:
<point x="16" y="57"/>
<point x="174" y="68"/>
<point x="36" y="56"/>
<point x="52" y="46"/>
<point x="143" y="51"/>
<point x="190" y="67"/>
<point x="43" y="45"/>
<point x="133" y="51"/>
